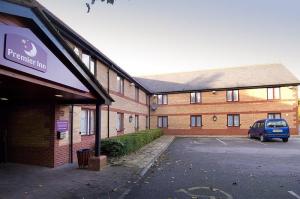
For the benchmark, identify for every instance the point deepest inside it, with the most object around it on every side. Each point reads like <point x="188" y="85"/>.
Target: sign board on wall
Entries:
<point x="23" y="51"/>
<point x="62" y="125"/>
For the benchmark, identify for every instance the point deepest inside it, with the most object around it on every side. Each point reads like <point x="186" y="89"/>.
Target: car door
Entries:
<point x="253" y="129"/>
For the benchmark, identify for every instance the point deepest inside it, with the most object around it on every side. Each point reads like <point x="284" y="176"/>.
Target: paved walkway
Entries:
<point x="25" y="181"/>
<point x="146" y="156"/>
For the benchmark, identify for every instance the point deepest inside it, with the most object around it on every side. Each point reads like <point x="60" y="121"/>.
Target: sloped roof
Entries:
<point x="237" y="77"/>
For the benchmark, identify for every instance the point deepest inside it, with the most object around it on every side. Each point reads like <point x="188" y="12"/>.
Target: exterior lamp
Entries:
<point x="215" y="118"/>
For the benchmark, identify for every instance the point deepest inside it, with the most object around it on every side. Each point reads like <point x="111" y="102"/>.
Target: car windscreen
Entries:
<point x="274" y="124"/>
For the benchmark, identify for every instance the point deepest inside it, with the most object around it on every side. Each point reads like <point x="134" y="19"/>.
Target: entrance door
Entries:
<point x="3" y="134"/>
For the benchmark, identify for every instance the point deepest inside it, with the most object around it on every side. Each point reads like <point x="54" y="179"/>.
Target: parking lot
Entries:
<point x="224" y="168"/>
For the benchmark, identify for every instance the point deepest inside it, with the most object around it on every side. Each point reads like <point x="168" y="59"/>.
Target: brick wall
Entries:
<point x="123" y="103"/>
<point x="253" y="105"/>
<point x="31" y="134"/>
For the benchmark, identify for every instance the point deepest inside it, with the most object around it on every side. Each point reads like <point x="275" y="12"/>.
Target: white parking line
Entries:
<point x="221" y="141"/>
<point x="294" y="194"/>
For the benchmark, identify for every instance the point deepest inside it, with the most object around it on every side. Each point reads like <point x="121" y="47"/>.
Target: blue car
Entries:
<point x="270" y="128"/>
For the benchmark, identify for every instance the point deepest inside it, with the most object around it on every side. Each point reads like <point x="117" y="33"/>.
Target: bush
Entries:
<point x="125" y="144"/>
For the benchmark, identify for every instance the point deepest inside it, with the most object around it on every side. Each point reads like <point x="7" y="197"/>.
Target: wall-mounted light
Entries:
<point x="130" y="118"/>
<point x="132" y="84"/>
<point x="215" y="118"/>
<point x="214" y="92"/>
<point x="291" y="87"/>
<point x="60" y="96"/>
<point x="4" y="99"/>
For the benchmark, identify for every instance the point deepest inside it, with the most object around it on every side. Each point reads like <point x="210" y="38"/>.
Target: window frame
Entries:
<point x="121" y="129"/>
<point x="164" y="100"/>
<point x="137" y="94"/>
<point x="274" y="114"/>
<point x="136" y="122"/>
<point x="196" y="101"/>
<point x="196" y="124"/>
<point x="163" y="126"/>
<point x="89" y="130"/>
<point x="232" y="95"/>
<point x="91" y="59"/>
<point x="233" y="120"/>
<point x="273" y="93"/>
<point x="120" y="84"/>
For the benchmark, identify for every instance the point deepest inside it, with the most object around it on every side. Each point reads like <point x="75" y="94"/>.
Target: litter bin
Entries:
<point x="83" y="156"/>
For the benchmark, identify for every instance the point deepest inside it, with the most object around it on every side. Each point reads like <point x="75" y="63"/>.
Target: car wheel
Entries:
<point x="285" y="139"/>
<point x="250" y="136"/>
<point x="262" y="138"/>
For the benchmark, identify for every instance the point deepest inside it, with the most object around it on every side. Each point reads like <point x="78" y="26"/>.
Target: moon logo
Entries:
<point x="30" y="52"/>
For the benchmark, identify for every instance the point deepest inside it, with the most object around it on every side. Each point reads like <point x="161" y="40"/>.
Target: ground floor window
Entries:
<point x="120" y="122"/>
<point x="196" y="121"/>
<point x="274" y="115"/>
<point x="162" y="122"/>
<point x="233" y="120"/>
<point x="87" y="122"/>
<point x="136" y="122"/>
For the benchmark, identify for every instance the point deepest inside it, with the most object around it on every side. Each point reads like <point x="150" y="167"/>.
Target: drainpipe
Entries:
<point x="108" y="106"/>
<point x="149" y="109"/>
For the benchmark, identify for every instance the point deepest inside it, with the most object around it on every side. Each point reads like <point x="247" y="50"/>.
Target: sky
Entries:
<point x="151" y="37"/>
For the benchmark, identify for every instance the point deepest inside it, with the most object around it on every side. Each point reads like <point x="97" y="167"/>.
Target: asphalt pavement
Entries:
<point x="223" y="168"/>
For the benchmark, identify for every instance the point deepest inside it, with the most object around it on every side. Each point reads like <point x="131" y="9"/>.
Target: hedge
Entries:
<point x="125" y="144"/>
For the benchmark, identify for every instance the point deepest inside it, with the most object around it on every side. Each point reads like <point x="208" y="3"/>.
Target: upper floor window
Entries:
<point x="162" y="99"/>
<point x="89" y="62"/>
<point x="120" y="83"/>
<point x="195" y="97"/>
<point x="162" y="122"/>
<point x="76" y="50"/>
<point x="274" y="115"/>
<point x="233" y="120"/>
<point x="232" y="95"/>
<point x="196" y="121"/>
<point x="87" y="122"/>
<point x="273" y="93"/>
<point x="137" y="94"/>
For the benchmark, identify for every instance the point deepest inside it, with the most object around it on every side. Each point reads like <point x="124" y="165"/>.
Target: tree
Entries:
<point x="92" y="2"/>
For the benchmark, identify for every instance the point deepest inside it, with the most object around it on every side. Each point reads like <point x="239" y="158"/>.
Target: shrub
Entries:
<point x="125" y="144"/>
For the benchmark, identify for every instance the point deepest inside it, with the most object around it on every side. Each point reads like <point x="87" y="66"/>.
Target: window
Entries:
<point x="87" y="122"/>
<point x="195" y="97"/>
<point x="136" y="122"/>
<point x="120" y="83"/>
<point x="196" y="121"/>
<point x="162" y="122"/>
<point x="120" y="122"/>
<point x="137" y="93"/>
<point x="233" y="120"/>
<point x="276" y="124"/>
<point x="162" y="99"/>
<point x="76" y="50"/>
<point x="274" y="115"/>
<point x="89" y="62"/>
<point x="273" y="93"/>
<point x="232" y="95"/>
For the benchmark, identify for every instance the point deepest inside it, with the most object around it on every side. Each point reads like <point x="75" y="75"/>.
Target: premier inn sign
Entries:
<point x="21" y="50"/>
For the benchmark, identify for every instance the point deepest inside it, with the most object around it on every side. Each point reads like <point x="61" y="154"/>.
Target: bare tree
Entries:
<point x="92" y="2"/>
